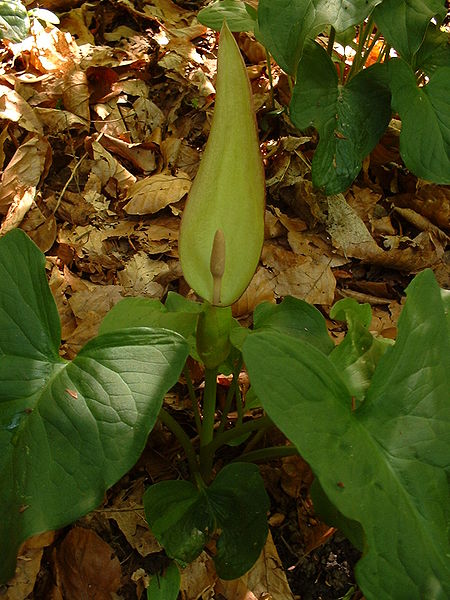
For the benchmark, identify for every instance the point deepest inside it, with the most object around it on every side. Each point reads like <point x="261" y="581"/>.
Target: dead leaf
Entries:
<point x="107" y="168"/>
<point x="154" y="193"/>
<point x="18" y="208"/>
<point x="299" y="276"/>
<point x="28" y="565"/>
<point x="76" y="94"/>
<point x="141" y="157"/>
<point x="431" y="200"/>
<point x="127" y="511"/>
<point x="138" y="277"/>
<point x="14" y="108"/>
<point x="266" y="579"/>
<point x="24" y="171"/>
<point x="198" y="578"/>
<point x="86" y="566"/>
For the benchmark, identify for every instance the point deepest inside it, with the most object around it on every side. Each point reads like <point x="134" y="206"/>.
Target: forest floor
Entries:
<point x="104" y="118"/>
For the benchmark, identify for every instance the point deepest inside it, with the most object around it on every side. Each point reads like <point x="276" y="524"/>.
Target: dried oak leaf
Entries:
<point x="86" y="566"/>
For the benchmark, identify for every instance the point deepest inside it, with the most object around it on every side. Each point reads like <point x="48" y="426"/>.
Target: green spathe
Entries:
<point x="228" y="193"/>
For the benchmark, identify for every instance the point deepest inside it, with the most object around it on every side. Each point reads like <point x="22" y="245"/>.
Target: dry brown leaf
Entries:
<point x="432" y="201"/>
<point x="138" y="276"/>
<point x="266" y="579"/>
<point x="154" y="193"/>
<point x="76" y="94"/>
<point x="77" y="21"/>
<point x="260" y="289"/>
<point x="52" y="50"/>
<point x="14" y="108"/>
<point x="41" y="229"/>
<point x="28" y="565"/>
<point x="24" y="171"/>
<point x="299" y="276"/>
<point x="362" y="201"/>
<point x="127" y="511"/>
<point x="348" y="231"/>
<point x="198" y="578"/>
<point x="21" y="204"/>
<point x="58" y="121"/>
<point x="86" y="566"/>
<point x="107" y="168"/>
<point x="141" y="157"/>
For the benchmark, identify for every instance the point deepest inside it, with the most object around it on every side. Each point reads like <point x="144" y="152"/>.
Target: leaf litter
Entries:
<point x="103" y="121"/>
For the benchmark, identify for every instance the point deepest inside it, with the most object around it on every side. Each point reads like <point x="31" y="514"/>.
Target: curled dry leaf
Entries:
<point x="86" y="566"/>
<point x="151" y="194"/>
<point x="141" y="157"/>
<point x="76" y="94"/>
<point x="29" y="164"/>
<point x="107" y="168"/>
<point x="16" y="109"/>
<point x="28" y="565"/>
<point x="266" y="579"/>
<point x="432" y="201"/>
<point x="299" y="276"/>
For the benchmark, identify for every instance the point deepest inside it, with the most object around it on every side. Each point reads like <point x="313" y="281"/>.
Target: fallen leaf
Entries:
<point x="86" y="566"/>
<point x="154" y="193"/>
<point x="16" y="109"/>
<point x="29" y="164"/>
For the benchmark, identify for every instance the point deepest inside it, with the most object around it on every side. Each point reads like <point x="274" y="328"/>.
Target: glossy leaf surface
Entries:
<point x="350" y="118"/>
<point x="425" y="114"/>
<point x="184" y="518"/>
<point x="68" y="430"/>
<point x="385" y="465"/>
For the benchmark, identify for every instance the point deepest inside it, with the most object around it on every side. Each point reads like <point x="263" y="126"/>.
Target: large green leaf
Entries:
<point x="285" y="25"/>
<point x="383" y="465"/>
<point x="434" y="51"/>
<point x="403" y="23"/>
<point x="183" y="518"/>
<point x="68" y="430"/>
<point x="14" y="21"/>
<point x="350" y="119"/>
<point x="295" y="318"/>
<point x="233" y="11"/>
<point x="425" y="115"/>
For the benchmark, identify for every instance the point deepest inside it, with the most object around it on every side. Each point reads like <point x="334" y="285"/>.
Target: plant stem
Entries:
<point x="193" y="399"/>
<point x="331" y="39"/>
<point x="171" y="424"/>
<point x="269" y="74"/>
<point x="207" y="431"/>
<point x="256" y="439"/>
<point x="227" y="407"/>
<point x="231" y="434"/>
<point x="267" y="454"/>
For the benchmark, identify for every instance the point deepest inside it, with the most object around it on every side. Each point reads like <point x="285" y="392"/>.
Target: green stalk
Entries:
<point x="227" y="407"/>
<point x="269" y="74"/>
<point x="364" y="34"/>
<point x="193" y="399"/>
<point x="171" y="424"/>
<point x="231" y="434"/>
<point x="367" y="52"/>
<point x="207" y="431"/>
<point x="331" y="39"/>
<point x="267" y="454"/>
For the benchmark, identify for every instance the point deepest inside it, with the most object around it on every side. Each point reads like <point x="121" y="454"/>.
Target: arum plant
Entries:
<point x="370" y="417"/>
